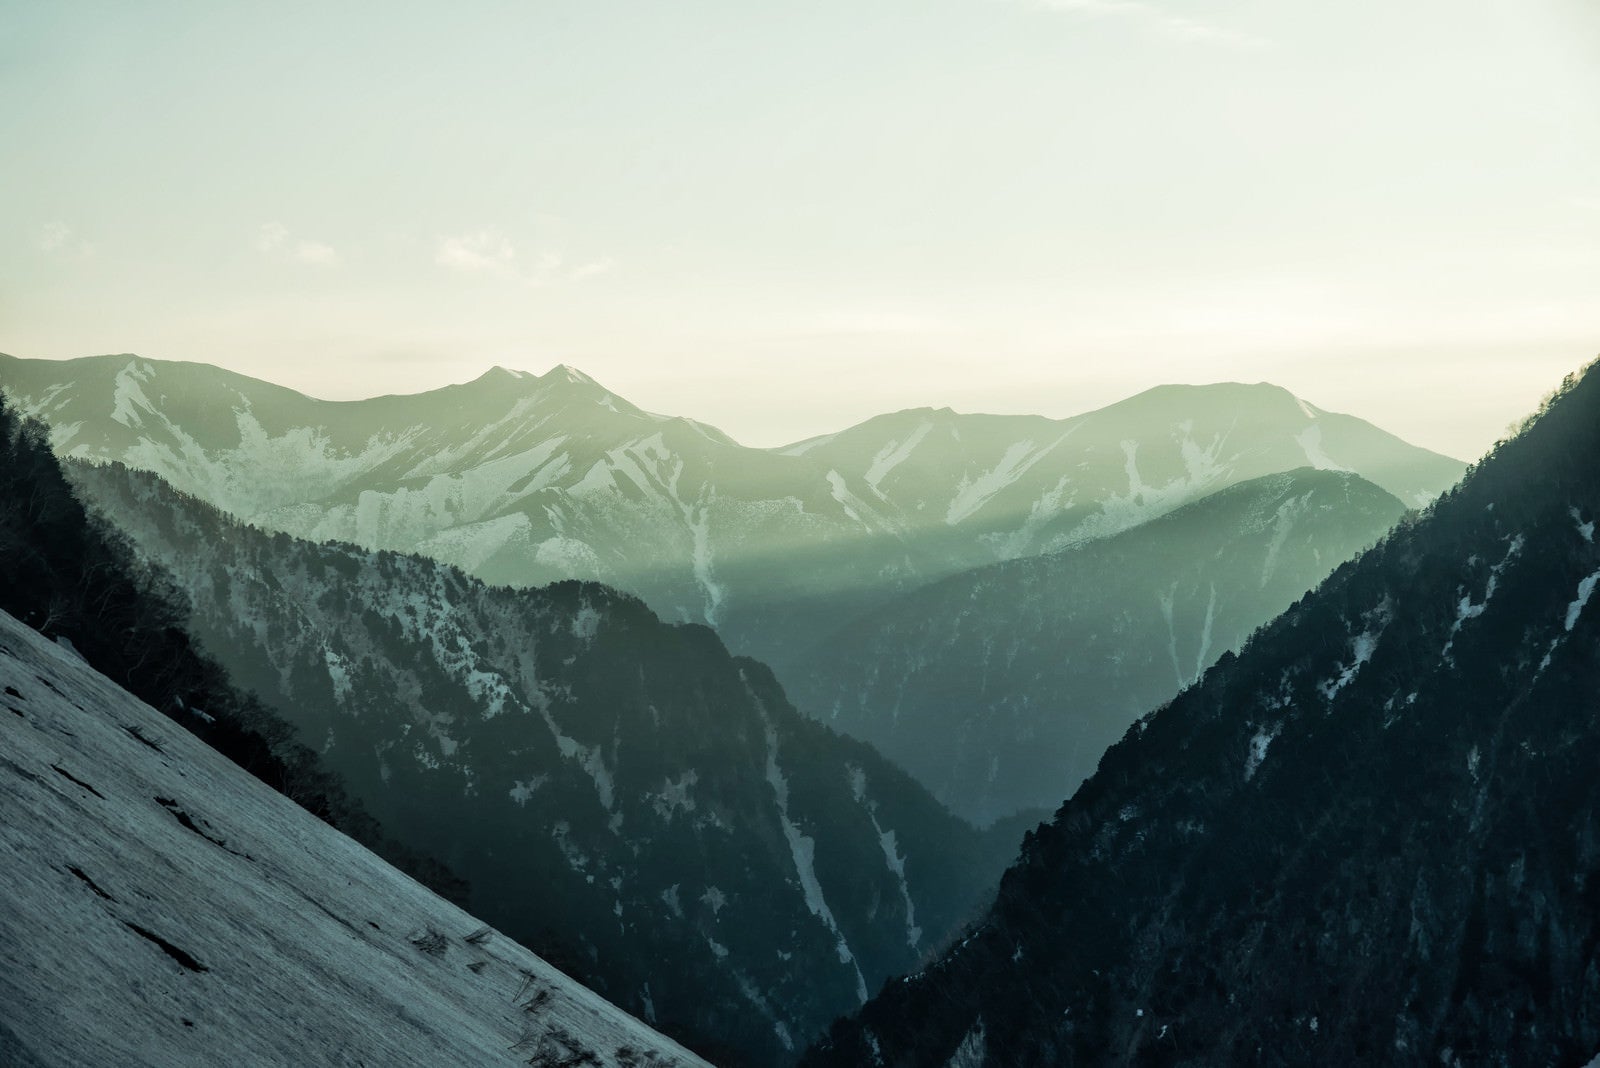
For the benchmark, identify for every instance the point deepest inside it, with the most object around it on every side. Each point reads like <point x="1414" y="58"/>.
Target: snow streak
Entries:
<point x="803" y="849"/>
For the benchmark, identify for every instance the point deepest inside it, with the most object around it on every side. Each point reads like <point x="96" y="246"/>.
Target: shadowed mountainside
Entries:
<point x="1000" y="688"/>
<point x="1374" y="835"/>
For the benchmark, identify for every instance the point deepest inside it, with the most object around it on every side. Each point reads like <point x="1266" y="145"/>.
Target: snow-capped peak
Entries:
<point x="564" y="374"/>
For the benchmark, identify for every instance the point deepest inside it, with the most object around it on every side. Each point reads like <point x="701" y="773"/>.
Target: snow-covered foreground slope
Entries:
<point x="524" y="480"/>
<point x="161" y="907"/>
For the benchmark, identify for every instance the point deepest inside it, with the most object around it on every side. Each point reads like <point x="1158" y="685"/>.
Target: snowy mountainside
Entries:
<point x="999" y="688"/>
<point x="619" y="793"/>
<point x="1373" y="836"/>
<point x="163" y="908"/>
<point x="525" y="479"/>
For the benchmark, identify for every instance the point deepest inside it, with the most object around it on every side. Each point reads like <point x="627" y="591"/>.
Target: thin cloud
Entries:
<point x="546" y="268"/>
<point x="1153" y="17"/>
<point x="273" y="239"/>
<point x="271" y="236"/>
<point x="316" y="253"/>
<point x="483" y="252"/>
<point x="58" y="239"/>
<point x="592" y="269"/>
<point x="54" y="236"/>
<point x="489" y="252"/>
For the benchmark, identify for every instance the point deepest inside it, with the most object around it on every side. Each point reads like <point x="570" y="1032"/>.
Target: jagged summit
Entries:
<point x="566" y="374"/>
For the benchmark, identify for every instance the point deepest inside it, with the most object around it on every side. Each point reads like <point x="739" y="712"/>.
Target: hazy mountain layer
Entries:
<point x="619" y="792"/>
<point x="1374" y="836"/>
<point x="1001" y="687"/>
<point x="525" y="480"/>
<point x="163" y="908"/>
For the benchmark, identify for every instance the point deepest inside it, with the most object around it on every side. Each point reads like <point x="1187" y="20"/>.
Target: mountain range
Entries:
<point x="1371" y="836"/>
<point x="912" y="534"/>
<point x="524" y="480"/>
<point x="484" y="610"/>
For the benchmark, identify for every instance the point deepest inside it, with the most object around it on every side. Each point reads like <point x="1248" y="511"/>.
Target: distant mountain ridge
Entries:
<point x="528" y="479"/>
<point x="1000" y="687"/>
<point x="1371" y="837"/>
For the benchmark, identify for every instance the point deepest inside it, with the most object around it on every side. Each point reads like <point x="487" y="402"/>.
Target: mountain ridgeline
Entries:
<point x="1001" y="687"/>
<point x="525" y="480"/>
<point x="622" y="795"/>
<point x="1372" y="836"/>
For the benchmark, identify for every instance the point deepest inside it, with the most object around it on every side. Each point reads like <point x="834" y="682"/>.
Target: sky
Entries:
<point x="783" y="217"/>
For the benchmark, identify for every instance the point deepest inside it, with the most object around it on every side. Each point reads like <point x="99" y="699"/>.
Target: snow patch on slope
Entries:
<point x="1362" y="646"/>
<point x="1203" y="470"/>
<point x="675" y="796"/>
<point x="1205" y="634"/>
<point x="893" y="455"/>
<point x="697" y="518"/>
<point x="1283" y="522"/>
<point x="1310" y="442"/>
<point x="1585" y="530"/>
<point x="973" y="1051"/>
<point x="1259" y="744"/>
<point x="1167" y="601"/>
<point x="973" y="495"/>
<point x="891" y="854"/>
<point x="849" y="502"/>
<point x="128" y="399"/>
<point x="1467" y="609"/>
<point x="470" y="546"/>
<point x="1585" y="591"/>
<point x="803" y="850"/>
<point x="587" y="757"/>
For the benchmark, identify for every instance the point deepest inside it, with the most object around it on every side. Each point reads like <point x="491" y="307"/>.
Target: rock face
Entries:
<point x="1000" y="688"/>
<point x="620" y="793"/>
<point x="162" y="907"/>
<point x="1372" y="836"/>
<point x="525" y="480"/>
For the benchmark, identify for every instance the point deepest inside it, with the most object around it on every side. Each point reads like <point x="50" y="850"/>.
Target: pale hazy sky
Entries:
<point x="781" y="217"/>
